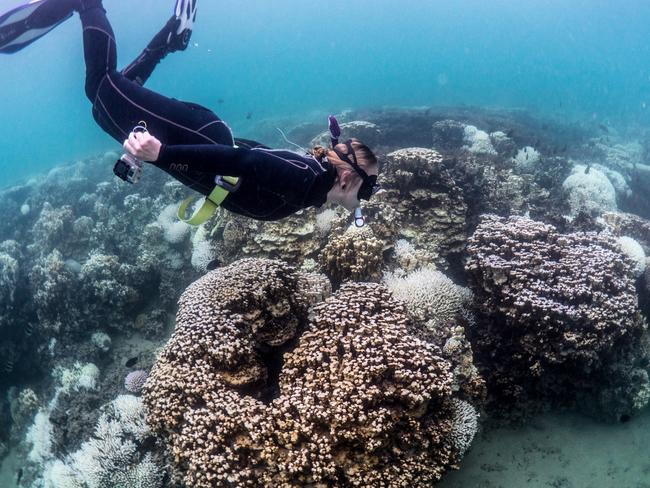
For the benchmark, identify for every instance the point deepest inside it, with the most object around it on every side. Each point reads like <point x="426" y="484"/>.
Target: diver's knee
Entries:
<point x="90" y="4"/>
<point x="91" y="88"/>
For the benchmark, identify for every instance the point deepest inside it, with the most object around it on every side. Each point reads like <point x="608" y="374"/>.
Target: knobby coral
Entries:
<point x="358" y="401"/>
<point x="557" y="307"/>
<point x="354" y="255"/>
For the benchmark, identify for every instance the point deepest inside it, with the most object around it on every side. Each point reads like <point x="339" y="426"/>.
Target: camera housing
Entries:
<point x="128" y="168"/>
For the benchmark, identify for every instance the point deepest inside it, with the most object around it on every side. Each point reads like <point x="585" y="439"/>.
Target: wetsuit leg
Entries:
<point x="119" y="104"/>
<point x="100" y="51"/>
<point x="141" y="68"/>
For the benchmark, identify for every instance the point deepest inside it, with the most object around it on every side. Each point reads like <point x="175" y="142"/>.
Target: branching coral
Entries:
<point x="431" y="296"/>
<point x="111" y="458"/>
<point x="465" y="424"/>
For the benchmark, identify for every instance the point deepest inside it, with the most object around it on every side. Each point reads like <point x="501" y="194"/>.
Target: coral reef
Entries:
<point x="112" y="457"/>
<point x="555" y="307"/>
<point x="328" y="422"/>
<point x="477" y="141"/>
<point x="292" y="239"/>
<point x="430" y="208"/>
<point x="503" y="145"/>
<point x="431" y="296"/>
<point x="442" y="311"/>
<point x="590" y="191"/>
<point x="448" y="135"/>
<point x="356" y="255"/>
<point x="627" y="224"/>
<point x="85" y="259"/>
<point x="134" y="381"/>
<point x="23" y="407"/>
<point x="376" y="386"/>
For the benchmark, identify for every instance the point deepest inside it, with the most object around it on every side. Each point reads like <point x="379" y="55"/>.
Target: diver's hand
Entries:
<point x="143" y="146"/>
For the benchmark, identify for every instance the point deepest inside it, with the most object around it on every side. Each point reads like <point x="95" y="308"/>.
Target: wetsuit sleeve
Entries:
<point x="280" y="175"/>
<point x="208" y="158"/>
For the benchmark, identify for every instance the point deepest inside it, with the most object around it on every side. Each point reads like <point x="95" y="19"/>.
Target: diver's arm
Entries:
<point x="208" y="158"/>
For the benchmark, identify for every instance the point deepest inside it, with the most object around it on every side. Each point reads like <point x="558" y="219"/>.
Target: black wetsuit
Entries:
<point x="197" y="145"/>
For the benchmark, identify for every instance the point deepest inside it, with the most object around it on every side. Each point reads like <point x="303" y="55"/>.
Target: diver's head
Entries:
<point x="356" y="168"/>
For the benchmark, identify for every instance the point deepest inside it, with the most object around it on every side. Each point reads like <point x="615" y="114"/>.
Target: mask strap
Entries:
<point x="354" y="164"/>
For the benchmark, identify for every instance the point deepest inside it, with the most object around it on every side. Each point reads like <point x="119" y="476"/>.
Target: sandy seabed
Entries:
<point x="559" y="451"/>
<point x="553" y="450"/>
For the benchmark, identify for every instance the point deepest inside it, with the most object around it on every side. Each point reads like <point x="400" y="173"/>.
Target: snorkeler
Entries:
<point x="186" y="140"/>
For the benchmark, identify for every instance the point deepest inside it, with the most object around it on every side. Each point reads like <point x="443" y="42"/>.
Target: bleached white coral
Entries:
<point x="174" y="230"/>
<point x="430" y="295"/>
<point x="407" y="257"/>
<point x="635" y="252"/>
<point x="203" y="251"/>
<point x="39" y="436"/>
<point x="79" y="376"/>
<point x="101" y="341"/>
<point x="60" y="475"/>
<point x="324" y="221"/>
<point x="589" y="190"/>
<point x="616" y="179"/>
<point x="464" y="425"/>
<point x="129" y="412"/>
<point x="478" y="141"/>
<point x="111" y="457"/>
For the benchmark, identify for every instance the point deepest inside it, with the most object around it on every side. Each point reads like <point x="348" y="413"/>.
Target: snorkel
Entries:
<point x="369" y="185"/>
<point x="335" y="130"/>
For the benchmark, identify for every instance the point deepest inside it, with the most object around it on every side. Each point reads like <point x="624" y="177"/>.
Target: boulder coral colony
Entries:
<point x="501" y="271"/>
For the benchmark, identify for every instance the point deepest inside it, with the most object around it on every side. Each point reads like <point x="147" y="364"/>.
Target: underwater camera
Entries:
<point x="128" y="167"/>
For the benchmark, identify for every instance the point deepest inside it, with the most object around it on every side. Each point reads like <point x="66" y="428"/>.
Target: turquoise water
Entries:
<point x="582" y="60"/>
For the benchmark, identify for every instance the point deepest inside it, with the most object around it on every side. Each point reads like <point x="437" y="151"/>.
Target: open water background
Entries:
<point x="583" y="60"/>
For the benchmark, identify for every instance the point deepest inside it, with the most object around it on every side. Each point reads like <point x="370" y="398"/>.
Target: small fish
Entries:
<point x="214" y="264"/>
<point x="249" y="115"/>
<point x="587" y="169"/>
<point x="131" y="362"/>
<point x="220" y="101"/>
<point x="19" y="476"/>
<point x="604" y="128"/>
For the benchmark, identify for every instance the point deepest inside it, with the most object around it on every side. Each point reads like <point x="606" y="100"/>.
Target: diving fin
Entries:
<point x="29" y="22"/>
<point x="182" y="23"/>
